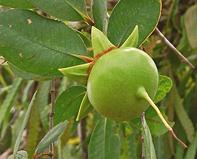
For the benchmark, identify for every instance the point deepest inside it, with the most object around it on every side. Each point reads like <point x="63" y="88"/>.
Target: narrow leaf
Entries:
<point x="100" y="42"/>
<point x="132" y="40"/>
<point x="84" y="109"/>
<point x="99" y="11"/>
<point x="183" y="117"/>
<point x="191" y="152"/>
<point x="51" y="137"/>
<point x="19" y="155"/>
<point x="165" y="85"/>
<point x="129" y="13"/>
<point x="7" y="103"/>
<point x="148" y="146"/>
<point x="38" y="45"/>
<point x="23" y="125"/>
<point x="104" y="143"/>
<point x="68" y="103"/>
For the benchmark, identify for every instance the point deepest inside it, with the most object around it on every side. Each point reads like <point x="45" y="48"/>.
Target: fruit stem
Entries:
<point x="143" y="94"/>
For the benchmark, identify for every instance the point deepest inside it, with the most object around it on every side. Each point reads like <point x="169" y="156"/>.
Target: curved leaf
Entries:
<point x="19" y="155"/>
<point x="129" y="13"/>
<point x="64" y="9"/>
<point x="37" y="45"/>
<point x="68" y="103"/>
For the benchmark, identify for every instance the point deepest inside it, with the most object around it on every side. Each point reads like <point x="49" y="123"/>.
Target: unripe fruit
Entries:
<point x="115" y="80"/>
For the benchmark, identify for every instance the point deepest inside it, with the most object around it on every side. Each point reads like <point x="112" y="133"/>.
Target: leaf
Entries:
<point x="16" y="3"/>
<point x="85" y="108"/>
<point x="19" y="155"/>
<point x="7" y="103"/>
<point x="148" y="147"/>
<point x="51" y="137"/>
<point x="104" y="143"/>
<point x="64" y="9"/>
<point x="100" y="42"/>
<point x="183" y="117"/>
<point x="132" y="40"/>
<point x="68" y="103"/>
<point x="37" y="45"/>
<point x="156" y="126"/>
<point x="190" y="21"/>
<point x="77" y="73"/>
<point x="33" y="126"/>
<point x="99" y="11"/>
<point x="129" y="13"/>
<point x="191" y="152"/>
<point x="23" y="125"/>
<point x="165" y="85"/>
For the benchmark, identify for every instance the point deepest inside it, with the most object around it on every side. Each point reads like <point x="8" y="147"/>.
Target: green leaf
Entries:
<point x="78" y="73"/>
<point x="37" y="45"/>
<point x="154" y="122"/>
<point x="183" y="117"/>
<point x="68" y="103"/>
<point x="132" y="40"/>
<point x="191" y="152"/>
<point x="64" y="9"/>
<point x="129" y="13"/>
<point x="16" y="3"/>
<point x="99" y="11"/>
<point x="33" y="126"/>
<point x="104" y="143"/>
<point x="51" y="137"/>
<point x="165" y="85"/>
<point x="190" y="20"/>
<point x="19" y="155"/>
<point x="100" y="42"/>
<point x="85" y="108"/>
<point x="23" y="125"/>
<point x="148" y="147"/>
<point x="7" y="103"/>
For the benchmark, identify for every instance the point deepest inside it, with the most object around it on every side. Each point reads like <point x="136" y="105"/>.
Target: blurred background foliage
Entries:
<point x="178" y="23"/>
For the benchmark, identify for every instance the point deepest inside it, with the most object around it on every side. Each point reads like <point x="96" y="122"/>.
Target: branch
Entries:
<point x="177" y="52"/>
<point x="51" y="114"/>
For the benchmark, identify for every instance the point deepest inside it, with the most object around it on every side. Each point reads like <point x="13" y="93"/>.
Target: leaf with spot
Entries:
<point x="37" y="45"/>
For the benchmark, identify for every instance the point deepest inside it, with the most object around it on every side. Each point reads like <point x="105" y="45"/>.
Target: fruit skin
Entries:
<point x="114" y="81"/>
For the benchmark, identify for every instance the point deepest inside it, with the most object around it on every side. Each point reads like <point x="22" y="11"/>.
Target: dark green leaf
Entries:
<point x="99" y="11"/>
<point x="37" y="45"/>
<point x="104" y="143"/>
<point x="16" y="3"/>
<point x="129" y="13"/>
<point x="51" y="137"/>
<point x="191" y="152"/>
<point x="165" y="85"/>
<point x="68" y="103"/>
<point x="148" y="147"/>
<point x="64" y="9"/>
<point x="7" y="103"/>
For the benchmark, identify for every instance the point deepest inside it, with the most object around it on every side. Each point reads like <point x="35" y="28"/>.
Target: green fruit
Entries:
<point x="115" y="80"/>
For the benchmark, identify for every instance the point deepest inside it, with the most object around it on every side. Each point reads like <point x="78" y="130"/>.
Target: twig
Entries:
<point x="82" y="135"/>
<point x="51" y="114"/>
<point x="177" y="52"/>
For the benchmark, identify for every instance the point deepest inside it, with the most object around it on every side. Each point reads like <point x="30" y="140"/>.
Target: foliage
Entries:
<point x="39" y="107"/>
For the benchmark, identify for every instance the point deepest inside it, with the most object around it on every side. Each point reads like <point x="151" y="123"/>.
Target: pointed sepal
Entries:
<point x="132" y="40"/>
<point x="78" y="73"/>
<point x="85" y="108"/>
<point x="100" y="42"/>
